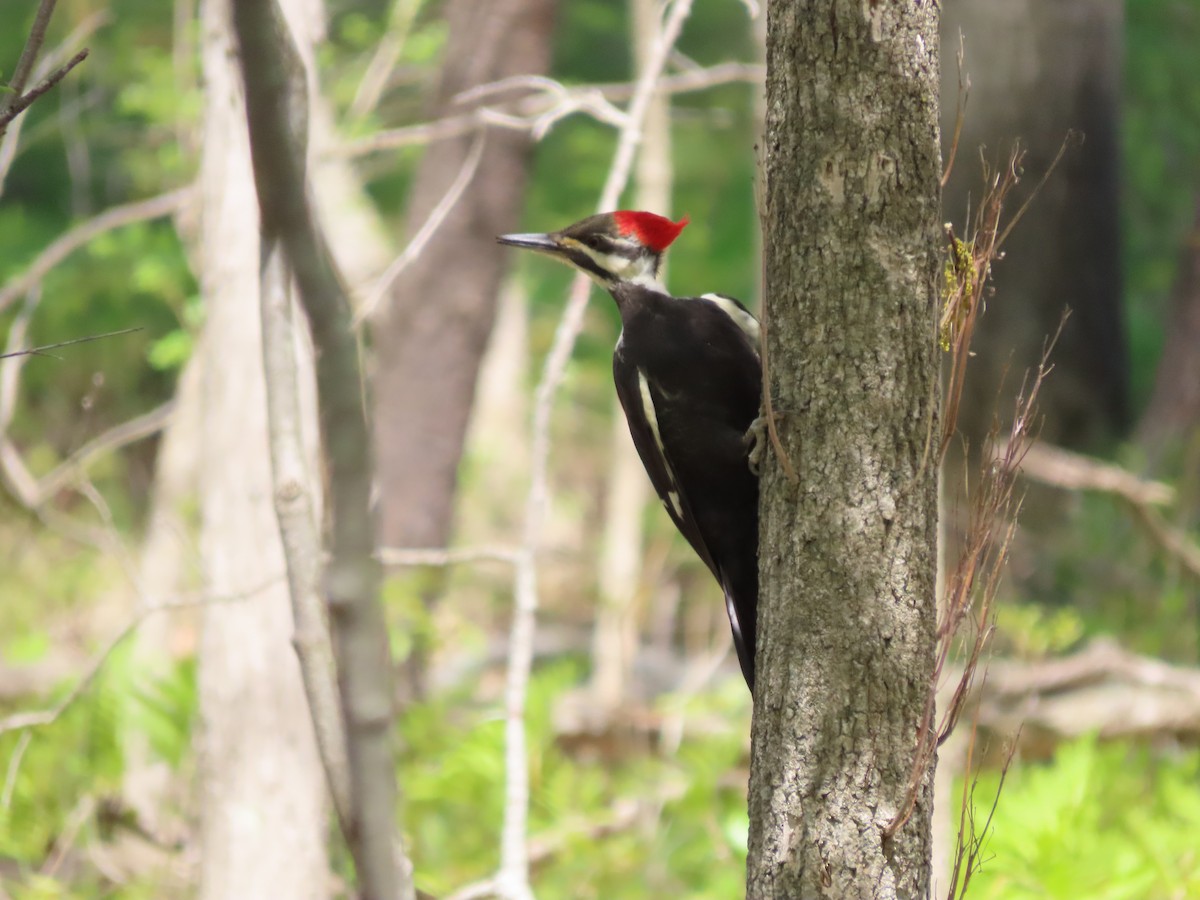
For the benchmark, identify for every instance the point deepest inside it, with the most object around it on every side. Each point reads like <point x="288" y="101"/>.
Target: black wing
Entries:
<point x="634" y="392"/>
<point x="698" y="466"/>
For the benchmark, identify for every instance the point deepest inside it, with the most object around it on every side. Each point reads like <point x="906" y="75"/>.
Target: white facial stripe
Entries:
<point x="636" y="268"/>
<point x="652" y="419"/>
<point x="741" y="318"/>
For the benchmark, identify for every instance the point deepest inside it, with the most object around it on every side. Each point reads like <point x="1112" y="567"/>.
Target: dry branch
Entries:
<point x="17" y="100"/>
<point x="552" y="102"/>
<point x="392" y="556"/>
<point x="1074" y="471"/>
<point x="298" y="527"/>
<point x="26" y="720"/>
<point x="20" y="104"/>
<point x="1103" y="690"/>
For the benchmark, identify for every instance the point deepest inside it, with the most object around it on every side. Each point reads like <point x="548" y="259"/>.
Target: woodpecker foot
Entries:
<point x="758" y="441"/>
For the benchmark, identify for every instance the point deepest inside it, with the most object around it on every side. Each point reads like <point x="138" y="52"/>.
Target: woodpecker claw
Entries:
<point x="756" y="443"/>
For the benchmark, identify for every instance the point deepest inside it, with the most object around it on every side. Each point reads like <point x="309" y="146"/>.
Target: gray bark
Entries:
<point x="263" y="808"/>
<point x="1038" y="69"/>
<point x="847" y="609"/>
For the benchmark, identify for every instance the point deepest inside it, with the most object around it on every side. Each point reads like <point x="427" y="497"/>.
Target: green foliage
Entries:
<point x="1161" y="157"/>
<point x="453" y="775"/>
<point x="1109" y="822"/>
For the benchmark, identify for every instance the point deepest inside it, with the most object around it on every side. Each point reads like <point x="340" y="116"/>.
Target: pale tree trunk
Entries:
<point x="847" y="561"/>
<point x="263" y="807"/>
<point x="615" y="638"/>
<point x="431" y="335"/>
<point x="1038" y="69"/>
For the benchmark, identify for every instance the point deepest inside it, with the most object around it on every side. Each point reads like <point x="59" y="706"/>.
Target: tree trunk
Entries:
<point x="430" y="338"/>
<point x="263" y="809"/>
<point x="847" y="561"/>
<point x="1038" y="69"/>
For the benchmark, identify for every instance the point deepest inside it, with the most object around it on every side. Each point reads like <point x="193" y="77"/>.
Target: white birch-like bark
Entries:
<point x="263" y="807"/>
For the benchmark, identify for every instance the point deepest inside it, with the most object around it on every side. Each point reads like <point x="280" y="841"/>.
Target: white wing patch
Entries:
<point x="652" y="419"/>
<point x="741" y="318"/>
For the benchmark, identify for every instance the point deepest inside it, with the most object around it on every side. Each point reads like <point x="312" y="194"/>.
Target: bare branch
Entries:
<point x="34" y="493"/>
<point x="298" y="528"/>
<point x="81" y="234"/>
<point x="27" y="720"/>
<point x="86" y="27"/>
<point x="428" y="228"/>
<point x="1073" y="471"/>
<point x="29" y="54"/>
<point x="537" y="113"/>
<point x="41" y="351"/>
<point x="24" y="101"/>
<point x="391" y="556"/>
<point x="383" y="61"/>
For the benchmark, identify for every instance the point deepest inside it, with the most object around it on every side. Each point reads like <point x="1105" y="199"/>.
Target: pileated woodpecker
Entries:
<point x="689" y="378"/>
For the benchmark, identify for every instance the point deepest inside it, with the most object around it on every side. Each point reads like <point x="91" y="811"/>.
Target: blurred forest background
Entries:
<point x="639" y="721"/>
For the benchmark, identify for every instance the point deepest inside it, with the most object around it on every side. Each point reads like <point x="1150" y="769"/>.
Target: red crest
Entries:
<point x="656" y="232"/>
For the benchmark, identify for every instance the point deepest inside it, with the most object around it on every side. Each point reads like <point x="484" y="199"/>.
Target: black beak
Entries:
<point x="543" y="243"/>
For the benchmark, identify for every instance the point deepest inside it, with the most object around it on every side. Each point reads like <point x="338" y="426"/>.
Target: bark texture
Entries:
<point x="1037" y="70"/>
<point x="263" y="810"/>
<point x="431" y="336"/>
<point x="847" y="610"/>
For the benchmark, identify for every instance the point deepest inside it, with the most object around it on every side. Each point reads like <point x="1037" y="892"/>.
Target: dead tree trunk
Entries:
<point x="847" y="561"/>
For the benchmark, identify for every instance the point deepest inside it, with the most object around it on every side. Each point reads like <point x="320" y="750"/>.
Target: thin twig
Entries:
<point x="41" y="351"/>
<point x="1072" y="138"/>
<point x="513" y="877"/>
<point x="25" y="100"/>
<point x="14" y="766"/>
<point x="81" y="32"/>
<point x="393" y="556"/>
<point x="119" y="436"/>
<point x="37" y="719"/>
<point x="535" y="113"/>
<point x="29" y="53"/>
<point x="81" y="234"/>
<point x="427" y="230"/>
<point x="960" y="109"/>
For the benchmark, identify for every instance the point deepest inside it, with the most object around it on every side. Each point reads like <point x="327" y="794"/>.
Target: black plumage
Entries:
<point x="689" y="378"/>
